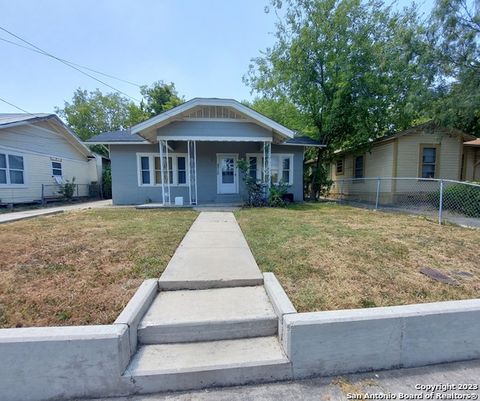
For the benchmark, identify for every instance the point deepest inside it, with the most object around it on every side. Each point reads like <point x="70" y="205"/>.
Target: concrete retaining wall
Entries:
<point x="338" y="342"/>
<point x="58" y="363"/>
<point x="62" y="363"/>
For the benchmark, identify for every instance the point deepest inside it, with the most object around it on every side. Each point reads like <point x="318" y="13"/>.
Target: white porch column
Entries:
<point x="164" y="171"/>
<point x="192" y="171"/>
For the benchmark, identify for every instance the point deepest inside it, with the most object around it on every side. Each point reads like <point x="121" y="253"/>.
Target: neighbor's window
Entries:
<point x="11" y="169"/>
<point x="57" y="169"/>
<point x="359" y="166"/>
<point x="429" y="162"/>
<point x="3" y="168"/>
<point x="339" y="167"/>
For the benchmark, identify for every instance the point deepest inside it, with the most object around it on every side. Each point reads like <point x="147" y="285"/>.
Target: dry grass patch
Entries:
<point x="83" y="267"/>
<point x="332" y="257"/>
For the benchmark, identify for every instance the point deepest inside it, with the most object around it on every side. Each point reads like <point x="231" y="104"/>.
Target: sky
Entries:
<point x="204" y="47"/>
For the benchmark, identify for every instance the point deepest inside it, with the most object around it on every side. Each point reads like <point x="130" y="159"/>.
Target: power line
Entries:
<point x="17" y="107"/>
<point x="71" y="62"/>
<point x="67" y="64"/>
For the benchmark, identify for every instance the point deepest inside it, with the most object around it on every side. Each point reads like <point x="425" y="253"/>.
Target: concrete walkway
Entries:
<point x="29" y="214"/>
<point x="213" y="254"/>
<point x="212" y="323"/>
<point x="337" y="388"/>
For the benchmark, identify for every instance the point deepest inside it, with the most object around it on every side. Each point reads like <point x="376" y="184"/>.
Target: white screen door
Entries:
<point x="227" y="176"/>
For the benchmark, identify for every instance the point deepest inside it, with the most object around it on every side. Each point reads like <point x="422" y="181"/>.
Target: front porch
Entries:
<point x="192" y="172"/>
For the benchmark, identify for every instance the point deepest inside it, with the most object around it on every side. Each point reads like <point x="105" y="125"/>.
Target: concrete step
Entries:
<point x="204" y="315"/>
<point x="188" y="366"/>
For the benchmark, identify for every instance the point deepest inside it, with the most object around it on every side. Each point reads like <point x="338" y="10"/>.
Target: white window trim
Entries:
<point x="9" y="184"/>
<point x="53" y="168"/>
<point x="151" y="169"/>
<point x="281" y="156"/>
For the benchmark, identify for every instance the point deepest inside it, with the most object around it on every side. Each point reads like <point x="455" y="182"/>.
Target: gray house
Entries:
<point x="190" y="155"/>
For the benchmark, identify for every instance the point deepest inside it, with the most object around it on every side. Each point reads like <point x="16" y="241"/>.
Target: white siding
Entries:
<point x="38" y="171"/>
<point x="43" y="138"/>
<point x="38" y="144"/>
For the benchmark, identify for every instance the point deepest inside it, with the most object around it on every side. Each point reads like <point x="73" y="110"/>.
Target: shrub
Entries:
<point x="68" y="189"/>
<point x="460" y="198"/>
<point x="255" y="189"/>
<point x="276" y="197"/>
<point x="107" y="182"/>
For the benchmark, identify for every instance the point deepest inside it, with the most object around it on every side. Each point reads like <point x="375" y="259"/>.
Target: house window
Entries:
<point x="145" y="170"/>
<point x="253" y="170"/>
<point x="286" y="167"/>
<point x="57" y="169"/>
<point x="428" y="162"/>
<point x="181" y="170"/>
<point x="150" y="172"/>
<point x="339" y="166"/>
<point x="359" y="167"/>
<point x="281" y="168"/>
<point x="11" y="169"/>
<point x="158" y="171"/>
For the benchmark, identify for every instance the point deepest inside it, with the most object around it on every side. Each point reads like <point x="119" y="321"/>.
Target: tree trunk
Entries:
<point x="315" y="187"/>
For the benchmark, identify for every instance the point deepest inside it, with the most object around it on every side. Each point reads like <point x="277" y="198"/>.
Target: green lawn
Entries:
<point x="330" y="256"/>
<point x="83" y="267"/>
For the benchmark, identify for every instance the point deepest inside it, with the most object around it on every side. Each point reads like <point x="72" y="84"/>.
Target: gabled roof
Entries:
<point x="249" y="113"/>
<point x="8" y="120"/>
<point x="12" y="118"/>
<point x="120" y="137"/>
<point x="429" y="125"/>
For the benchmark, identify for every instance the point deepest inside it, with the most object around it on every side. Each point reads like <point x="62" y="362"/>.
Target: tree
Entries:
<point x="455" y="35"/>
<point x="91" y="113"/>
<point x="284" y="112"/>
<point x="351" y="67"/>
<point x="159" y="97"/>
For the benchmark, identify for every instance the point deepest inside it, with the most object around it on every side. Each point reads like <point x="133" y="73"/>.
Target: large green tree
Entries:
<point x="455" y="36"/>
<point x="91" y="113"/>
<point x="351" y="66"/>
<point x="159" y="97"/>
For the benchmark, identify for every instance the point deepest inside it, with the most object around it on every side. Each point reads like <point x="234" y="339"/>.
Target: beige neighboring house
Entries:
<point x="38" y="153"/>
<point x="424" y="151"/>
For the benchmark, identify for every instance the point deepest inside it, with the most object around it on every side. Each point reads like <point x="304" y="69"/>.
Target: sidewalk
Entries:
<point x="213" y="254"/>
<point x="337" y="388"/>
<point x="29" y="214"/>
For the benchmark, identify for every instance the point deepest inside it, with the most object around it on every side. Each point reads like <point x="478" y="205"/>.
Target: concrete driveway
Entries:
<point x="29" y="214"/>
<point x="406" y="381"/>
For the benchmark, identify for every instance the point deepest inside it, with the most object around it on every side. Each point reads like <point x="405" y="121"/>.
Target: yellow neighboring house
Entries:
<point x="424" y="151"/>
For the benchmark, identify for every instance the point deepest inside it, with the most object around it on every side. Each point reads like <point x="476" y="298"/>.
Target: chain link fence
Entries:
<point x="445" y="200"/>
<point x="53" y="192"/>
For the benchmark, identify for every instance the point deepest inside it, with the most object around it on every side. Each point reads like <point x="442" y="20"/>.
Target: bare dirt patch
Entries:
<point x="83" y="267"/>
<point x="331" y="257"/>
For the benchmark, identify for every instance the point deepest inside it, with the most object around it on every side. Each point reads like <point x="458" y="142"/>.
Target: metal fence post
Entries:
<point x="440" y="205"/>
<point x="378" y="193"/>
<point x="43" y="194"/>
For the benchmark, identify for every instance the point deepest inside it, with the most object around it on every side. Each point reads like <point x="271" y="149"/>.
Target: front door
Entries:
<point x="227" y="176"/>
